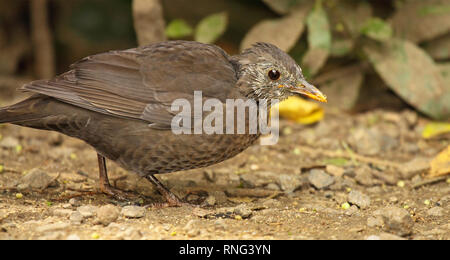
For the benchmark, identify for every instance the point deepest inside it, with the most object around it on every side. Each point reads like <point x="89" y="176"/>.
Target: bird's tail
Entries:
<point x="21" y="112"/>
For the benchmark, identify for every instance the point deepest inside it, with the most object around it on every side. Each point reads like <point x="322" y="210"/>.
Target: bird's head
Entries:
<point x="266" y="72"/>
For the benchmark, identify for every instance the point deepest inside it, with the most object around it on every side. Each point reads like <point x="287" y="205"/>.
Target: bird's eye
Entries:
<point x="274" y="74"/>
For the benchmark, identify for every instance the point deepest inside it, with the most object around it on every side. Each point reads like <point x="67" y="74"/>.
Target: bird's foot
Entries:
<point x="118" y="194"/>
<point x="172" y="200"/>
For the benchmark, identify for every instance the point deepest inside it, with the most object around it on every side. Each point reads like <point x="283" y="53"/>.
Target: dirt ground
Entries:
<point x="348" y="177"/>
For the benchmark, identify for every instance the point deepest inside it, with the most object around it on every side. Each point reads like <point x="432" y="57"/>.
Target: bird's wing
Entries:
<point x="142" y="83"/>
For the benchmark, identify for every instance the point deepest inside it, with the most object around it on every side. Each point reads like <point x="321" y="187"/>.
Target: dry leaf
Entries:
<point x="314" y="60"/>
<point x="419" y="21"/>
<point x="283" y="32"/>
<point x="440" y="165"/>
<point x="439" y="49"/>
<point x="352" y="14"/>
<point x="413" y="75"/>
<point x="343" y="90"/>
<point x="282" y="6"/>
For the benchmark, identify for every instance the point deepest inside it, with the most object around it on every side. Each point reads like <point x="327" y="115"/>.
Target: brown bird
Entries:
<point x="119" y="102"/>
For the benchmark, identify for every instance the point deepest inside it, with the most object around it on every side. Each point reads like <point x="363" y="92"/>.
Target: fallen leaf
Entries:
<point x="349" y="16"/>
<point x="445" y="71"/>
<point x="313" y="61"/>
<point x="377" y="29"/>
<point x="178" y="28"/>
<point x="440" y="165"/>
<point x="210" y="28"/>
<point x="412" y="74"/>
<point x="300" y="110"/>
<point x="282" y="6"/>
<point x="341" y="46"/>
<point x="283" y="32"/>
<point x="343" y="89"/>
<point x="418" y="21"/>
<point x="319" y="40"/>
<point x="435" y="129"/>
<point x="439" y="49"/>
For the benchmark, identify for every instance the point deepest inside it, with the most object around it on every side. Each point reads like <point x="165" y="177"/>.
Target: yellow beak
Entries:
<point x="306" y="89"/>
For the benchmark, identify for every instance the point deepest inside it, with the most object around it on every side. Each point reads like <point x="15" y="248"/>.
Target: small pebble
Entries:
<point x="74" y="202"/>
<point x="133" y="211"/>
<point x="210" y="200"/>
<point x="87" y="211"/>
<point x="52" y="227"/>
<point x="62" y="212"/>
<point x="396" y="220"/>
<point x="352" y="210"/>
<point x="436" y="212"/>
<point x="107" y="214"/>
<point x="319" y="179"/>
<point x="375" y="221"/>
<point x="359" y="199"/>
<point x="76" y="218"/>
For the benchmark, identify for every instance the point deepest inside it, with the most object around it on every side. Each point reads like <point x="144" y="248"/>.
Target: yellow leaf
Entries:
<point x="300" y="110"/>
<point x="440" y="165"/>
<point x="435" y="129"/>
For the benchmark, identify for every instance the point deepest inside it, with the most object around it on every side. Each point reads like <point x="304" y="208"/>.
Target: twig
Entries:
<point x="350" y="156"/>
<point x="255" y="193"/>
<point x="42" y="39"/>
<point x="429" y="181"/>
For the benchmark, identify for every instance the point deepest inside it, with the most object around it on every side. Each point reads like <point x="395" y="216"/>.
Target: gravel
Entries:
<point x="107" y="214"/>
<point x="359" y="199"/>
<point x="435" y="212"/>
<point x="76" y="218"/>
<point x="133" y="211"/>
<point x="319" y="179"/>
<point x="87" y="211"/>
<point x="396" y="221"/>
<point x="35" y="179"/>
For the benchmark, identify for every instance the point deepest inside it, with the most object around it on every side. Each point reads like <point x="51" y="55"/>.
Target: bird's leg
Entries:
<point x="105" y="187"/>
<point x="172" y="199"/>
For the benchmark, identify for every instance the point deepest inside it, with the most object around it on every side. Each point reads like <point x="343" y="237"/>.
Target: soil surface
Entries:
<point x="360" y="176"/>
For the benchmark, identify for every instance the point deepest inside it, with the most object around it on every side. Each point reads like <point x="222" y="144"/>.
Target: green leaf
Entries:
<point x="319" y="35"/>
<point x="210" y="28"/>
<point x="319" y="39"/>
<point x="413" y="75"/>
<point x="377" y="29"/>
<point x="178" y="28"/>
<point x="336" y="161"/>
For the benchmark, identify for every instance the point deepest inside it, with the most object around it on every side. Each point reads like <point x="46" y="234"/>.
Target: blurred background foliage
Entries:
<point x="364" y="54"/>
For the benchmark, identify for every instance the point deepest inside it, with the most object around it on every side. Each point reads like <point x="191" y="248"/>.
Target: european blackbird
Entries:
<point x="119" y="102"/>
